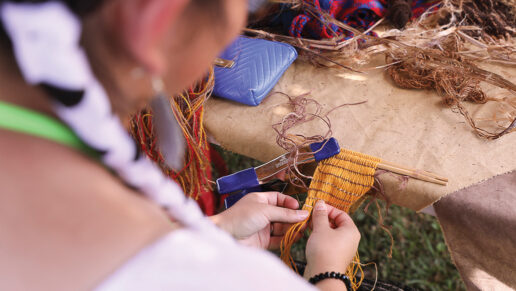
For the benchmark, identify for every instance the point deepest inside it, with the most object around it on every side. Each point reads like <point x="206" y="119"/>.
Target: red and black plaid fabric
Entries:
<point x="360" y="14"/>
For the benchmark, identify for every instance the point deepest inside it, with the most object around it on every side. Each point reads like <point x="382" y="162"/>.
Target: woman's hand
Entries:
<point x="261" y="219"/>
<point x="333" y="242"/>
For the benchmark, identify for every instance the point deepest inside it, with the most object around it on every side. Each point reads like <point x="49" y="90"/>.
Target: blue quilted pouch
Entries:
<point x="258" y="65"/>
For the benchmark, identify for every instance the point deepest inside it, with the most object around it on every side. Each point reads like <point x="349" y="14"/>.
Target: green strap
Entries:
<point x="19" y="119"/>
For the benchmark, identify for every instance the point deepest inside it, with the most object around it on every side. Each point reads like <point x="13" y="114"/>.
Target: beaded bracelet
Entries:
<point x="327" y="275"/>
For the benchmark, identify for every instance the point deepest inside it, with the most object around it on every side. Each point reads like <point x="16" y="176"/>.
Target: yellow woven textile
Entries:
<point x="341" y="181"/>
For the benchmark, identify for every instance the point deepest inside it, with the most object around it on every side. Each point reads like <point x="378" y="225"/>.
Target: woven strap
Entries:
<point x="341" y="181"/>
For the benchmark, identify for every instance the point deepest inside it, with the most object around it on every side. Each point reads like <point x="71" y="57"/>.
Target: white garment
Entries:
<point x="188" y="260"/>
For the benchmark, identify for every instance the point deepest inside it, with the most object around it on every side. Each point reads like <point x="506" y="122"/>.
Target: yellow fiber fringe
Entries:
<point x="340" y="181"/>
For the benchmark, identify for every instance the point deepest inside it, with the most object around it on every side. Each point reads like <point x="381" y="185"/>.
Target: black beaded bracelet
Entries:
<point x="331" y="275"/>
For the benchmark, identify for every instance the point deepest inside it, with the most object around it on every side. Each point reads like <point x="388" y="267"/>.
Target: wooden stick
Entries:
<point x="426" y="173"/>
<point x="410" y="173"/>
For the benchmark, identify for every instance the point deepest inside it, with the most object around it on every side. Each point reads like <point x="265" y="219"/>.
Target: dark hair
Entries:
<point x="80" y="7"/>
<point x="83" y="7"/>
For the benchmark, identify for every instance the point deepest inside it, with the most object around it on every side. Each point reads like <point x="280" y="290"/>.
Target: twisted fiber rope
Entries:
<point x="341" y="181"/>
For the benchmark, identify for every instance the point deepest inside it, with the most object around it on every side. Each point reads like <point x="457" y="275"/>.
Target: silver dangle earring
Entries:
<point x="169" y="135"/>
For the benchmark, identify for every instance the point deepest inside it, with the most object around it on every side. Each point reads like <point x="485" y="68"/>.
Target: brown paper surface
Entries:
<point x="406" y="127"/>
<point x="479" y="224"/>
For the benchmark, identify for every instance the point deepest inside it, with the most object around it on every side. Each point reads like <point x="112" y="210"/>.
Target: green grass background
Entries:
<point x="420" y="258"/>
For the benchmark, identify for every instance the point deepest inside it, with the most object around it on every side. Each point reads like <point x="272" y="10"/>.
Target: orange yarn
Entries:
<point x="188" y="108"/>
<point x="341" y="181"/>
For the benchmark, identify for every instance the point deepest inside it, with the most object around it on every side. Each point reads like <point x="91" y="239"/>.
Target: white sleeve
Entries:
<point x="186" y="260"/>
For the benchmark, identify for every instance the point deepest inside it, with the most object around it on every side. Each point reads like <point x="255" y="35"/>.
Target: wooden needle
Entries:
<point x="411" y="173"/>
<point x="426" y="173"/>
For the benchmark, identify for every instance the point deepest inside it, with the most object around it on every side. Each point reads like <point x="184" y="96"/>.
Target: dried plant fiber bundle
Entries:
<point x="457" y="80"/>
<point x="496" y="18"/>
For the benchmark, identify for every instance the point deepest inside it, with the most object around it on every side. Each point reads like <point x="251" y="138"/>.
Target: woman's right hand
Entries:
<point x="333" y="242"/>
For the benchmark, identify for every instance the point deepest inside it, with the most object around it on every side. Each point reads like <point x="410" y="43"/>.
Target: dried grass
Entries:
<point x="445" y="56"/>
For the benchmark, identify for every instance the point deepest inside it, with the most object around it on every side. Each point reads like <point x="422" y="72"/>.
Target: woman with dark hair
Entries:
<point x="80" y="209"/>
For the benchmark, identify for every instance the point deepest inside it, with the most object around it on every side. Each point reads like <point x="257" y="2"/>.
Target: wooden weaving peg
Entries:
<point x="416" y="174"/>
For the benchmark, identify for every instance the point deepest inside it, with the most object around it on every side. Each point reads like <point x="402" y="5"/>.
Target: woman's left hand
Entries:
<point x="261" y="219"/>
